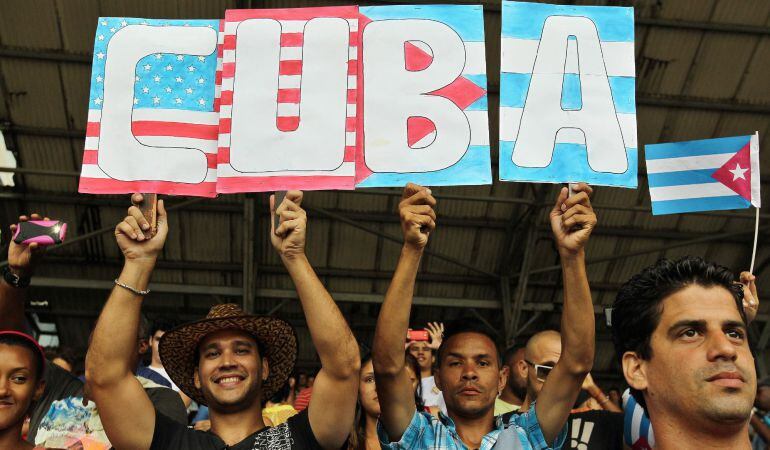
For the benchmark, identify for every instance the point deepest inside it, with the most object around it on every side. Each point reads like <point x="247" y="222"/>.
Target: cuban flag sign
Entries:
<point x="704" y="175"/>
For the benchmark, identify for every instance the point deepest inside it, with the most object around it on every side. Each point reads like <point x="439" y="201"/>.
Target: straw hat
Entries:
<point x="178" y="348"/>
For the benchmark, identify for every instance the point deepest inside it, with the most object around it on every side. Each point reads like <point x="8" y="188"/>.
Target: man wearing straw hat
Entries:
<point x="229" y="360"/>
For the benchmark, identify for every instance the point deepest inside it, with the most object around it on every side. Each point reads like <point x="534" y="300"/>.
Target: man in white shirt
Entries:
<point x="159" y="328"/>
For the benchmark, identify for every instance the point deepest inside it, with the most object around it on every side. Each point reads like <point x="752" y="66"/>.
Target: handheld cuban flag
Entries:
<point x="705" y="175"/>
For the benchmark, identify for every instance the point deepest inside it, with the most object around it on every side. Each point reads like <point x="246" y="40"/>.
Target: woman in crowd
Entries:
<point x="22" y="362"/>
<point x="364" y="434"/>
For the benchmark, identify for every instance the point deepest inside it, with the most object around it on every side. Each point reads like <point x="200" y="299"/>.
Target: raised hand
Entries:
<point x="22" y="259"/>
<point x="750" y="296"/>
<point x="289" y="238"/>
<point x="130" y="234"/>
<point x="418" y="219"/>
<point x="436" y="333"/>
<point x="573" y="219"/>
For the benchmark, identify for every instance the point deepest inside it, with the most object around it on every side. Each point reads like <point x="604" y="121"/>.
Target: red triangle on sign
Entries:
<point x="417" y="128"/>
<point x="415" y="58"/>
<point x="736" y="173"/>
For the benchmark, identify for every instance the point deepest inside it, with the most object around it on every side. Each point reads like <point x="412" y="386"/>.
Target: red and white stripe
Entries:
<point x="161" y="128"/>
<point x="288" y="118"/>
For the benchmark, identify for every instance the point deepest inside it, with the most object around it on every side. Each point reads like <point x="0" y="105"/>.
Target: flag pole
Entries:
<point x="756" y="235"/>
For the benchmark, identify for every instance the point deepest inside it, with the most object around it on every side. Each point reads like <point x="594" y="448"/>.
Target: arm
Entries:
<point x="394" y="389"/>
<point x="22" y="260"/>
<point x="572" y="220"/>
<point x="125" y="410"/>
<point x="596" y="393"/>
<point x="336" y="385"/>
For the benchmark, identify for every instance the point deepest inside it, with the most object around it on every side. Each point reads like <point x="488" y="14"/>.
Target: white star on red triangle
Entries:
<point x="738" y="172"/>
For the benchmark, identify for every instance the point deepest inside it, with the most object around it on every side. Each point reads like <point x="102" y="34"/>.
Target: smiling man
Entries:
<point x="229" y="361"/>
<point x="679" y="330"/>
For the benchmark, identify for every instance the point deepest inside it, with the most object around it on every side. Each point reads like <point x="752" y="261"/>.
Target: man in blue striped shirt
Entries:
<point x="469" y="368"/>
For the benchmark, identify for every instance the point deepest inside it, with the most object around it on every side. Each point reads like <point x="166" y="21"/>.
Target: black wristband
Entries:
<point x="15" y="280"/>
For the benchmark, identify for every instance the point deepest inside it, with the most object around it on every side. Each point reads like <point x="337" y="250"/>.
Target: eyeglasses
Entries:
<point x="541" y="371"/>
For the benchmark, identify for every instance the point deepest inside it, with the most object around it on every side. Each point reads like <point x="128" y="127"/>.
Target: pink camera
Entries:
<point x="43" y="232"/>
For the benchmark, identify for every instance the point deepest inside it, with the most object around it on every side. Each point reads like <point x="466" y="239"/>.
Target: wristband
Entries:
<point x="129" y="288"/>
<point x="15" y="280"/>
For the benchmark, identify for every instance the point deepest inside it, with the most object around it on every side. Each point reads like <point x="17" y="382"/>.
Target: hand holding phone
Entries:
<point x="42" y="232"/>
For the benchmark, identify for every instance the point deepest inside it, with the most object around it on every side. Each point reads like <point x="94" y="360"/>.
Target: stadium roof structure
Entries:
<point x="702" y="70"/>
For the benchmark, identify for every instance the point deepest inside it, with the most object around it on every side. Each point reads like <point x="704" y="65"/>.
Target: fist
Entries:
<point x="418" y="219"/>
<point x="289" y="238"/>
<point x="573" y="219"/>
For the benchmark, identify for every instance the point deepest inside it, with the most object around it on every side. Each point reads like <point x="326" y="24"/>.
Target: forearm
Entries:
<point x="336" y="346"/>
<point x="12" y="301"/>
<point x="113" y="346"/>
<point x="577" y="320"/>
<point x="596" y="393"/>
<point x="393" y="321"/>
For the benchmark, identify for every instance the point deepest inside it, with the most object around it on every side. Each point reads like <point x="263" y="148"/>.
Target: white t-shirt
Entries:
<point x="431" y="395"/>
<point x="164" y="374"/>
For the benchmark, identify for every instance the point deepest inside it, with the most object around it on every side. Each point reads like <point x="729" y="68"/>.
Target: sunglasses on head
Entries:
<point x="541" y="371"/>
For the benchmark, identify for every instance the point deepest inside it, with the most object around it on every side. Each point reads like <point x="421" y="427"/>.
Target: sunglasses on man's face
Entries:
<point x="541" y="371"/>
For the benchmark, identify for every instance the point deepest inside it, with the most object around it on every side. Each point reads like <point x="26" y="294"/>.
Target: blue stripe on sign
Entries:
<point x="465" y="20"/>
<point x="526" y="20"/>
<point x="624" y="94"/>
<point x="699" y="204"/>
<point x="681" y="177"/>
<point x="696" y="148"/>
<point x="514" y="88"/>
<point x="481" y="104"/>
<point x="473" y="168"/>
<point x="568" y="164"/>
<point x="571" y="96"/>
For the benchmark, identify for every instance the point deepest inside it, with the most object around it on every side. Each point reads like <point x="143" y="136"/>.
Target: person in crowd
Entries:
<point x="516" y="387"/>
<point x="680" y="332"/>
<point x="279" y="408"/>
<point x="157" y="330"/>
<point x="61" y="417"/>
<point x="470" y="372"/>
<point x="63" y="357"/>
<point x="596" y="423"/>
<point x="22" y="364"/>
<point x="425" y="353"/>
<point x="364" y="434"/>
<point x="229" y="361"/>
<point x="302" y="399"/>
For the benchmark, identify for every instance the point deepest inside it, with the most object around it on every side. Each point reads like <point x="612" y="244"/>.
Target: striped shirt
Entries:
<point x="426" y="432"/>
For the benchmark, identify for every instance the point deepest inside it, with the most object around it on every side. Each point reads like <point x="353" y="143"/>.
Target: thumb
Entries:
<point x="563" y="195"/>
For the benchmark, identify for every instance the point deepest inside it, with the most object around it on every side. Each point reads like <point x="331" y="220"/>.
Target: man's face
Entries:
<point x="423" y="353"/>
<point x="516" y="381"/>
<point x="469" y="376"/>
<point x="230" y="371"/>
<point x="18" y="386"/>
<point x="701" y="368"/>
<point x="546" y="352"/>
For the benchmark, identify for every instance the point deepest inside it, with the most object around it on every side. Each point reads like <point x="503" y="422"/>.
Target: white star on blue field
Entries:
<point x="162" y="80"/>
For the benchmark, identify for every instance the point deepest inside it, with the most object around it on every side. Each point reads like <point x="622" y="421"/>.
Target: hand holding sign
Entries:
<point x="417" y="216"/>
<point x="573" y="219"/>
<point x="750" y="296"/>
<point x="289" y="238"/>
<point x="133" y="234"/>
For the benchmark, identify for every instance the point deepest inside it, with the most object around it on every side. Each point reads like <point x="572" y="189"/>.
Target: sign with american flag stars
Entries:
<point x="153" y="109"/>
